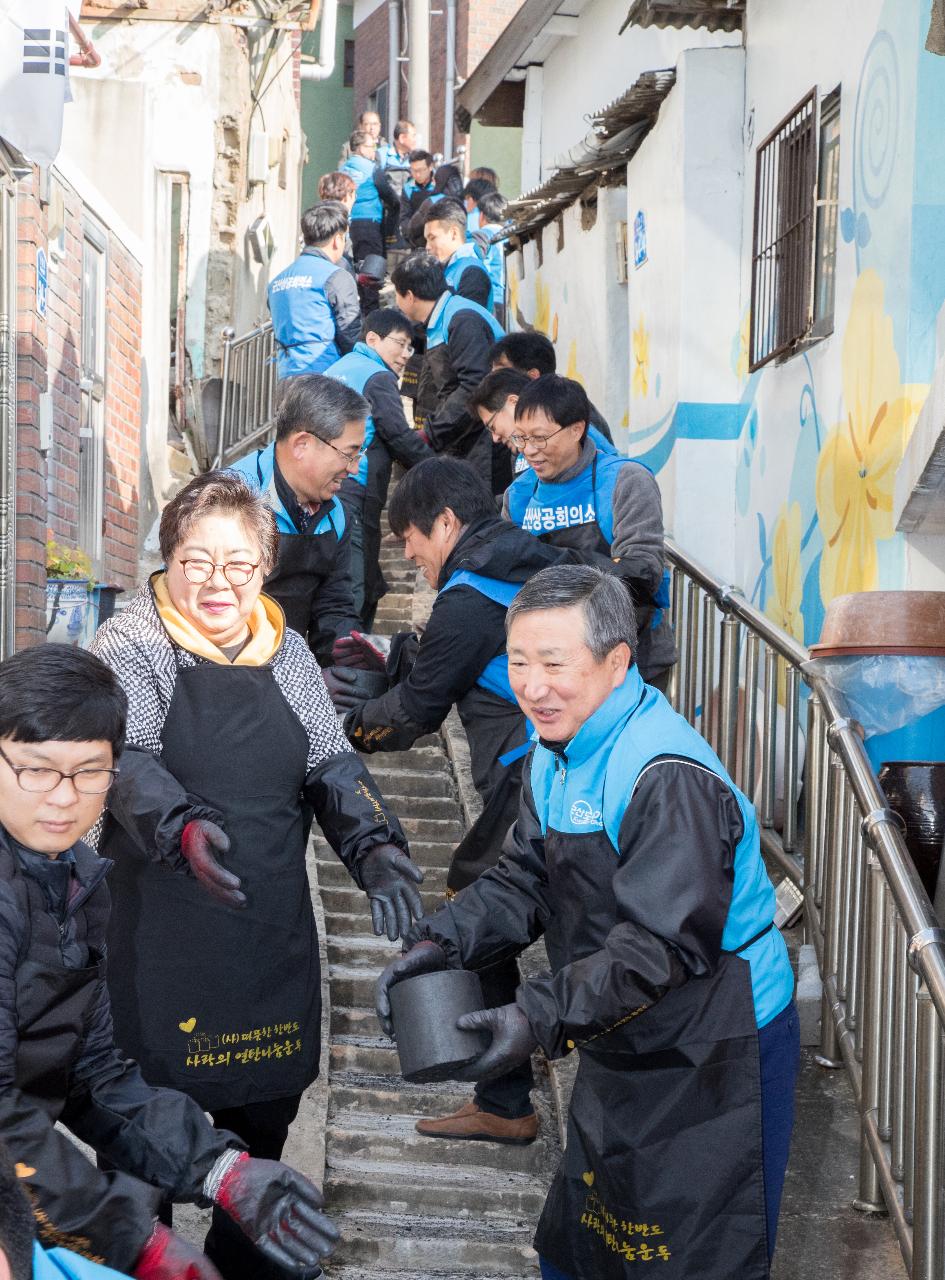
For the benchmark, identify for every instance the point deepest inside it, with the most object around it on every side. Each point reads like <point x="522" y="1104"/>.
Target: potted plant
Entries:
<point x="69" y="585"/>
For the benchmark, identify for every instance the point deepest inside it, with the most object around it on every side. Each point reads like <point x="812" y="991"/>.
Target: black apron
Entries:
<point x="304" y="562"/>
<point x="223" y="1004"/>
<point x="663" y="1162"/>
<point x="52" y="1006"/>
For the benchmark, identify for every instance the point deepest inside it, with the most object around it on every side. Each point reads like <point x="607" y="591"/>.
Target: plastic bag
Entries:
<point x="884" y="691"/>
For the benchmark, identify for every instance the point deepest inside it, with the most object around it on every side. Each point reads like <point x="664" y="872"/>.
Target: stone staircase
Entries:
<point x="412" y="1208"/>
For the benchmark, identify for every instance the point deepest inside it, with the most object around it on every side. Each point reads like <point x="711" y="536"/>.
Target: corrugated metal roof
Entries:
<point x="715" y="15"/>
<point x="618" y="130"/>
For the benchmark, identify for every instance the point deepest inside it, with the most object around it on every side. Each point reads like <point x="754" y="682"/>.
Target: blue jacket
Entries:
<point x="493" y="257"/>
<point x="367" y="200"/>
<point x="466" y="258"/>
<point x="447" y="308"/>
<point x="62" y="1264"/>
<point x="303" y="322"/>
<point x="259" y="469"/>
<point x="354" y="370"/>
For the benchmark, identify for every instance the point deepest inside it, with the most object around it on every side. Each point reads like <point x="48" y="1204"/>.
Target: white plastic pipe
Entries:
<point x="325" y="65"/>
<point x="393" y="62"/>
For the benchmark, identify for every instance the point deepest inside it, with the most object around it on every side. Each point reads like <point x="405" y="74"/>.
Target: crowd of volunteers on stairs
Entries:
<point x="157" y="797"/>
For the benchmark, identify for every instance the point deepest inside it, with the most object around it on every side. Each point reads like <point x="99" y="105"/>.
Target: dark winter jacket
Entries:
<point x="59" y="1066"/>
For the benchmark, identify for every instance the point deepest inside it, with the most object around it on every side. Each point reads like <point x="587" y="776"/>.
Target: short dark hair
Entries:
<point x="476" y="188"/>
<point x="526" y="350"/>
<point x="336" y="186"/>
<point x="385" y="321"/>
<point x="449" y="181"/>
<point x="362" y="138"/>
<point x="433" y="485"/>
<point x="485" y="172"/>
<point x="416" y="156"/>
<point x="321" y="406"/>
<point x="224" y="493"/>
<point x="420" y="274"/>
<point x="562" y="399"/>
<point x="493" y="206"/>
<point x="609" y="616"/>
<point x="402" y="127"/>
<point x="447" y="211"/>
<point x="323" y="221"/>
<point x="496" y="387"/>
<point x="17" y="1224"/>
<point x="57" y="693"/>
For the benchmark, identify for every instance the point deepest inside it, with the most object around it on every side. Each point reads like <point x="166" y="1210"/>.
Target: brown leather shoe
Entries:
<point x="474" y="1125"/>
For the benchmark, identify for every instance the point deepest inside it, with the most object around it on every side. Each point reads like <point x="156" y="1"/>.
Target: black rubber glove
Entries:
<point x="201" y="843"/>
<point x="367" y="652"/>
<point x="168" y="1257"/>
<point x="389" y="879"/>
<point x="513" y="1041"/>
<point x="279" y="1210"/>
<point x="351" y="687"/>
<point x="423" y="957"/>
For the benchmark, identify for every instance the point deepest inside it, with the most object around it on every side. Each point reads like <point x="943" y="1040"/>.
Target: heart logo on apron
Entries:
<point x="588" y="1178"/>
<point x="24" y="1170"/>
<point x="189" y="1025"/>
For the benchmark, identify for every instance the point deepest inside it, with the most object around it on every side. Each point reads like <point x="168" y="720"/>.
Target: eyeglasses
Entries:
<point x="404" y="345"/>
<point x="348" y="457"/>
<point x="538" y="443"/>
<point x="236" y="572"/>
<point x="489" y="426"/>
<point x="88" y="782"/>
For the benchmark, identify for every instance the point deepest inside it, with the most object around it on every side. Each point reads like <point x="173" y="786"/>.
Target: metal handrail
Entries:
<point x="247" y="397"/>
<point x="878" y="943"/>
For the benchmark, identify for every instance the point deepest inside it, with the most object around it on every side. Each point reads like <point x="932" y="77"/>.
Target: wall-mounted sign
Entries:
<point x="639" y="239"/>
<point x="42" y="281"/>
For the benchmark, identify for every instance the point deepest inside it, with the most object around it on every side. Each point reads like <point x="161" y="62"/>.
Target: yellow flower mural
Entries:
<point x="572" y="370"/>
<point x="783" y="606"/>
<point x="542" y="321"/>
<point x="741" y="365"/>
<point x="514" y="290"/>
<point x="641" y="359"/>
<point x="857" y="466"/>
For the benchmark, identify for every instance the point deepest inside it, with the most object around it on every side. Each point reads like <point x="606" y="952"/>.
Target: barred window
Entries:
<point x="795" y="229"/>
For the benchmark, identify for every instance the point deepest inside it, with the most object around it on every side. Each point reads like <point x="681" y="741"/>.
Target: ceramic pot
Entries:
<point x="915" y="789"/>
<point x="868" y="622"/>
<point x="424" y="1011"/>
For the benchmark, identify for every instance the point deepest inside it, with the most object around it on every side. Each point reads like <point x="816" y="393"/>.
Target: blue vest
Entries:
<point x="388" y="157"/>
<point x="472" y="221"/>
<point x="493" y="259"/>
<point x="411" y="188"/>
<point x="303" y="322"/>
<point x="62" y="1264"/>
<point x="495" y="676"/>
<point x="259" y="470"/>
<point x="367" y="200"/>
<point x="604" y="762"/>
<point x="449" y="304"/>
<point x="355" y="370"/>
<point x="464" y="257"/>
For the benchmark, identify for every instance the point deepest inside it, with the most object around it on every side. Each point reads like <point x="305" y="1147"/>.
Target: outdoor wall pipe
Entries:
<point x="418" y="86"/>
<point x="325" y="64"/>
<point x="449" y="92"/>
<point x="393" y="62"/>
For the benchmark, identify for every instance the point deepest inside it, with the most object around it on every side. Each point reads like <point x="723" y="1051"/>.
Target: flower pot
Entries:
<point x="424" y="1011"/>
<point x="916" y="791"/>
<point x="67" y="607"/>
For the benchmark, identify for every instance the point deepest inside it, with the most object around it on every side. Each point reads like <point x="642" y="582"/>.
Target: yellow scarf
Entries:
<point x="266" y="626"/>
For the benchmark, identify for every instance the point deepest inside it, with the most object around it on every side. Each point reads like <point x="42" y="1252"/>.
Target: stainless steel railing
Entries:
<point x="788" y="741"/>
<point x="248" y="392"/>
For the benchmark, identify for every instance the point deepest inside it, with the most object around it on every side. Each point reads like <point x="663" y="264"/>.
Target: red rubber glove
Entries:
<point x="359" y="650"/>
<point x="168" y="1257"/>
<point x="278" y="1209"/>
<point x="200" y="844"/>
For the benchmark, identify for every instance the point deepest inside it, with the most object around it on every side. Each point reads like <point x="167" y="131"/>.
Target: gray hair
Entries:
<point x="319" y="405"/>
<point x="609" y="616"/>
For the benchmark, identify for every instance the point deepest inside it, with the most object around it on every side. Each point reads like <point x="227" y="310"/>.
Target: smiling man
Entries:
<point x="638" y="859"/>
<point x="320" y="427"/>
<point x="374" y="369"/>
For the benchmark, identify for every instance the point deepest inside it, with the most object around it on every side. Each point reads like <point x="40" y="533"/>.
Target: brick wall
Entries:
<point x="479" y="23"/>
<point x="48" y="358"/>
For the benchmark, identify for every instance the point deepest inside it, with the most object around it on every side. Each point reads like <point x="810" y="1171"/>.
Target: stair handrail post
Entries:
<point x="229" y="333"/>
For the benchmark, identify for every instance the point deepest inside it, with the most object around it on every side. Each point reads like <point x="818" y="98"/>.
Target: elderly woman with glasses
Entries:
<point x="233" y="744"/>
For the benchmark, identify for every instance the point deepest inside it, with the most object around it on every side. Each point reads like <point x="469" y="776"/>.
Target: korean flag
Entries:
<point x="34" y="75"/>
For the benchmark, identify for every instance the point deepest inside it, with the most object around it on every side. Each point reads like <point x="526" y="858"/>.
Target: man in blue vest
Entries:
<point x="459" y="335"/>
<point x="534" y="354"/>
<point x="319" y="441"/>
<point x="373" y="369"/>
<point x="394" y="159"/>
<point x="373" y="194"/>
<point x="477" y="563"/>
<point x="418" y="188"/>
<point x="316" y="315"/>
<point x="445" y="234"/>
<point x="605" y="506"/>
<point x="490" y="217"/>
<point x="638" y="859"/>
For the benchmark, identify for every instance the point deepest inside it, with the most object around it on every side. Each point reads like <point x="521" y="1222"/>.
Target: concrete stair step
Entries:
<point x="415" y="782"/>
<point x="381" y="1273"/>
<point x="354" y="985"/>
<point x="408" y="1240"/>
<point x="439" y="1197"/>
<point x="347" y="924"/>
<point x="341" y="902"/>
<point x="362" y="950"/>
<point x="419" y="806"/>
<point x="392" y="1095"/>
<point x="430" y="855"/>
<point x="350" y="1020"/>
<point x="357" y="1053"/>
<point x="363" y="1135"/>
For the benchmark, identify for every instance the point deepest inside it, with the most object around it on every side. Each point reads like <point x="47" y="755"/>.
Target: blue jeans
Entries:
<point x="779" y="1052"/>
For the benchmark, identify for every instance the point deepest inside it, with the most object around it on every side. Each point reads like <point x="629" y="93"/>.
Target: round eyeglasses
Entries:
<point x="88" y="782"/>
<point x="236" y="572"/>
<point x="538" y="443"/>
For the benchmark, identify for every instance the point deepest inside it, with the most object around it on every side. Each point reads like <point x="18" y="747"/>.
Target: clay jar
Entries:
<point x="916" y="791"/>
<point x="424" y="1012"/>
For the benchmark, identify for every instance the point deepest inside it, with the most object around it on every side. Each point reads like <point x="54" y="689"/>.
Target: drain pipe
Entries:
<point x="324" y="66"/>
<point x="393" y="62"/>
<point x="418" y="86"/>
<point x="449" y="98"/>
